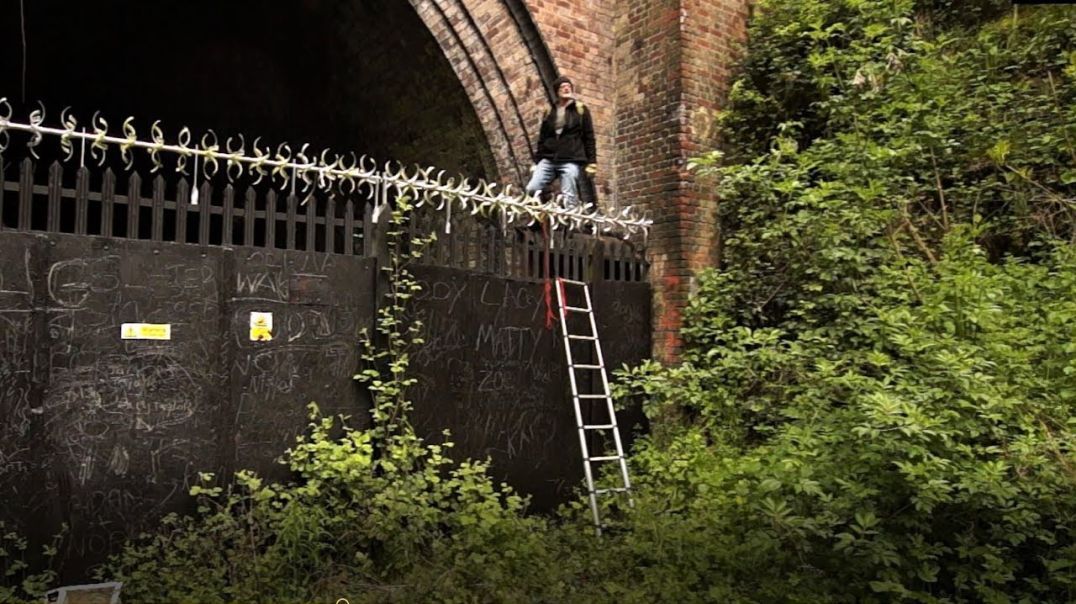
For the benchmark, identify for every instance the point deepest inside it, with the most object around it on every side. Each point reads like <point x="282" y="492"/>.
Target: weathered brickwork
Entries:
<point x="580" y="38"/>
<point x="487" y="50"/>
<point x="652" y="71"/>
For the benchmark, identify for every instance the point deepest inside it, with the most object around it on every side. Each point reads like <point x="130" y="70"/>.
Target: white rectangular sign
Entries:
<point x="146" y="331"/>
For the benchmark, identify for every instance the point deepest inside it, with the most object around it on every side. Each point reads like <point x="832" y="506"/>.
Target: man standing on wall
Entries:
<point x="565" y="145"/>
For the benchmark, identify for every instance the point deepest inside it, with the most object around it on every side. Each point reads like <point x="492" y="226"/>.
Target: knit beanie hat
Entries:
<point x="562" y="80"/>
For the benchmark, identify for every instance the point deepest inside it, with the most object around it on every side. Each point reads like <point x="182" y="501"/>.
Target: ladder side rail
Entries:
<point x="609" y="399"/>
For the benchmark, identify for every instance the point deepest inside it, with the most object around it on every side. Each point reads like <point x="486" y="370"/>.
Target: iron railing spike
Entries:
<point x="318" y="171"/>
<point x="211" y="135"/>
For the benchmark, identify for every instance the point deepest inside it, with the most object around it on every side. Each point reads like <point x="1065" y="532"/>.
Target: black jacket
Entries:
<point x="576" y="141"/>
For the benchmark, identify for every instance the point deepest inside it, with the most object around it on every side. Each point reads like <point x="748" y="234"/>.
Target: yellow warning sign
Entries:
<point x="146" y="331"/>
<point x="261" y="326"/>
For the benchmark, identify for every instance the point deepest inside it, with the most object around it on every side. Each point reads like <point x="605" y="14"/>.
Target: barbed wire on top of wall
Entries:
<point x="311" y="171"/>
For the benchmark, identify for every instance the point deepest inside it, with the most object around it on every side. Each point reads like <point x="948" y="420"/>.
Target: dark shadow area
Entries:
<point x="363" y="76"/>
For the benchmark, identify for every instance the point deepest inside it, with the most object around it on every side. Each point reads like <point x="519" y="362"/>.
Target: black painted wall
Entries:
<point x="493" y="373"/>
<point x="108" y="435"/>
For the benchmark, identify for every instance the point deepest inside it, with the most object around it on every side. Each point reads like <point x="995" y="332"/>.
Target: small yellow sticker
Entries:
<point x="261" y="326"/>
<point x="146" y="331"/>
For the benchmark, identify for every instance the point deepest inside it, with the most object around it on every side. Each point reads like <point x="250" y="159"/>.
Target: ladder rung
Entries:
<point x="604" y="458"/>
<point x="612" y="490"/>
<point x="593" y="396"/>
<point x="588" y="366"/>
<point x="571" y="337"/>
<point x="599" y="426"/>
<point x="572" y="282"/>
<point x="577" y="308"/>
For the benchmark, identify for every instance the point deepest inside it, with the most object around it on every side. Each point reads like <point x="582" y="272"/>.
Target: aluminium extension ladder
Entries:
<point x="577" y="397"/>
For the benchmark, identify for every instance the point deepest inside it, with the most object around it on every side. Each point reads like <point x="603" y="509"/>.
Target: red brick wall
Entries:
<point x="648" y="139"/>
<point x="673" y="65"/>
<point x="580" y="36"/>
<point x="652" y="71"/>
<point x="491" y="59"/>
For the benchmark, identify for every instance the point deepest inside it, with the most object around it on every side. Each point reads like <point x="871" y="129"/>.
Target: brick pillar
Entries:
<point x="673" y="61"/>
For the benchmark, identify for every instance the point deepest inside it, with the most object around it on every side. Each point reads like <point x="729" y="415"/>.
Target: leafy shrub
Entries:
<point x="927" y="455"/>
<point x="876" y="393"/>
<point x="351" y="525"/>
<point x="20" y="578"/>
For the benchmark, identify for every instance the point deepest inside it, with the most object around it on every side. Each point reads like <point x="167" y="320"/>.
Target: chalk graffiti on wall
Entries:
<point x="108" y="434"/>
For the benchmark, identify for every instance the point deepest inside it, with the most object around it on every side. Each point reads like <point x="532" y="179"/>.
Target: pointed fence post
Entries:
<point x="134" y="204"/>
<point x="228" y="215"/>
<point x="82" y="200"/>
<point x="108" y="202"/>
<point x="205" y="210"/>
<point x="157" y="223"/>
<point x="596" y="270"/>
<point x="249" y="200"/>
<point x="270" y="218"/>
<point x="292" y="202"/>
<point x="330" y="225"/>
<point x="55" y="191"/>
<point x="26" y="193"/>
<point x="183" y="204"/>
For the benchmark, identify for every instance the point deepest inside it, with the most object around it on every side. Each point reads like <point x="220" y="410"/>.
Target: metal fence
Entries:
<point x="99" y="202"/>
<point x="132" y="208"/>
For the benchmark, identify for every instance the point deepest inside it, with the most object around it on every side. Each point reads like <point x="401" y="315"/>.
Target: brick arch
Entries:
<point x="504" y="67"/>
<point x="653" y="72"/>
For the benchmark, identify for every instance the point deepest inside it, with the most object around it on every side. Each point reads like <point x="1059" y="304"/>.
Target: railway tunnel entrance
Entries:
<point x="354" y="76"/>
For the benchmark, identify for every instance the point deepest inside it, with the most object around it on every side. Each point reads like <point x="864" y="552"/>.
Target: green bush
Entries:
<point x="927" y="453"/>
<point x="20" y="579"/>
<point x="352" y="525"/>
<point x="876" y="396"/>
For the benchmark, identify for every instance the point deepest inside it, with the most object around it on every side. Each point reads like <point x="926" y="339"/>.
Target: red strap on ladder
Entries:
<point x="550" y="317"/>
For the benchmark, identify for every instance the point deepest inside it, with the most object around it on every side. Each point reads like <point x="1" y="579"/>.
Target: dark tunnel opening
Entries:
<point x="362" y="76"/>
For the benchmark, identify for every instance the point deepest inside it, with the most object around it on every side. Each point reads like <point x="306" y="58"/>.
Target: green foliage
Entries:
<point x="19" y="580"/>
<point x="355" y="522"/>
<point x="877" y="390"/>
<point x="909" y="132"/>
<point x="926" y="453"/>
